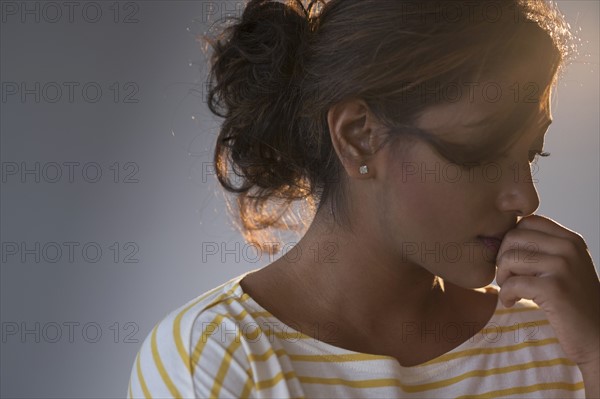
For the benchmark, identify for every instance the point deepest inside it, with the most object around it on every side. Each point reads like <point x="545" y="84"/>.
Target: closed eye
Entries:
<point x="535" y="153"/>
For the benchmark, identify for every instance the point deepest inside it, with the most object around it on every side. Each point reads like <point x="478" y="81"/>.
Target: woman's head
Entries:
<point x="281" y="70"/>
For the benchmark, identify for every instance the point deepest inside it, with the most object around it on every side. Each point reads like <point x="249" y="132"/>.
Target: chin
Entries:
<point x="480" y="277"/>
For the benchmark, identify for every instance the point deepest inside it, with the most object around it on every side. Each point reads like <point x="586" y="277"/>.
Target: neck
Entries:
<point x="353" y="279"/>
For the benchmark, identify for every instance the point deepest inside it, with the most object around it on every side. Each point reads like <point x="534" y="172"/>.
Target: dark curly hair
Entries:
<point x="276" y="71"/>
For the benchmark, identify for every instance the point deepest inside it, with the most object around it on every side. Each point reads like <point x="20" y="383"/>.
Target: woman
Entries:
<point x="410" y="128"/>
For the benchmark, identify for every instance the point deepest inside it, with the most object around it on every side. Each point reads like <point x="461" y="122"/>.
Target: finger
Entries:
<point x="516" y="288"/>
<point x="519" y="263"/>
<point x="547" y="225"/>
<point x="532" y="241"/>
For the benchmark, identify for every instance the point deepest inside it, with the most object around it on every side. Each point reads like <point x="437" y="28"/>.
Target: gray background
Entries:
<point x="163" y="206"/>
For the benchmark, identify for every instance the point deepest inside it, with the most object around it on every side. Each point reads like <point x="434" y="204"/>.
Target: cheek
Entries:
<point x="432" y="199"/>
<point x="432" y="204"/>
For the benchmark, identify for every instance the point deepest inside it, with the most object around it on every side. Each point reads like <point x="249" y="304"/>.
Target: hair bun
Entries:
<point x="274" y="23"/>
<point x="252" y="86"/>
<point x="263" y="47"/>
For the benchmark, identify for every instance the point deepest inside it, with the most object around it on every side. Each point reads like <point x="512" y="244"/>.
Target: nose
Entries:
<point x="518" y="194"/>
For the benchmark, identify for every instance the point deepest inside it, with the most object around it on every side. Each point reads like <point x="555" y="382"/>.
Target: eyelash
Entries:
<point x="535" y="153"/>
<point x="538" y="153"/>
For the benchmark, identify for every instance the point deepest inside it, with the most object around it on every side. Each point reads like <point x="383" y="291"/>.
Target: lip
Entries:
<point x="499" y="236"/>
<point x="492" y="243"/>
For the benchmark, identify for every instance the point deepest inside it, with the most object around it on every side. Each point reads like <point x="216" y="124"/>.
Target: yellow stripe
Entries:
<point x="332" y="358"/>
<point x="362" y="357"/>
<point x="199" y="347"/>
<point x="264" y="315"/>
<point x="374" y="383"/>
<point x="293" y="336"/>
<point x="225" y="364"/>
<point x="248" y="385"/>
<point x="247" y="389"/>
<point x="297" y="335"/>
<point x="387" y="382"/>
<point x="365" y="356"/>
<point x="496" y="330"/>
<point x="255" y="357"/>
<point x="224" y="368"/>
<point x="265" y="384"/>
<point x="226" y="300"/>
<point x="337" y="358"/>
<point x="516" y="326"/>
<point x="513" y="310"/>
<point x="177" y="324"/>
<point x="486" y="373"/>
<point x="161" y="368"/>
<point x="488" y="351"/>
<point x="528" y="389"/>
<point x="141" y="378"/>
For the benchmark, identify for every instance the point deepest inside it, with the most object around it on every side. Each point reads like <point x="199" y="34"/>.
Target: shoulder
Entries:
<point x="182" y="354"/>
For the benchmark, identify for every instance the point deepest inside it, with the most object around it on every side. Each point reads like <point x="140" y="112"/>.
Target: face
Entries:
<point x="436" y="213"/>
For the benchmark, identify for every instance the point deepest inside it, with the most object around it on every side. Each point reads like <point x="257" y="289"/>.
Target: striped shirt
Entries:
<point x="224" y="344"/>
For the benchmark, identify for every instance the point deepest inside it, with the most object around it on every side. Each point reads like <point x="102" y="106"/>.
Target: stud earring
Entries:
<point x="363" y="170"/>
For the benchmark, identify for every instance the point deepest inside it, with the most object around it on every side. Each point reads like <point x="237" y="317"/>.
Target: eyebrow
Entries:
<point x="497" y="129"/>
<point x="483" y="122"/>
<point x="490" y="120"/>
<point x="539" y="138"/>
<point x="496" y="142"/>
<point x="546" y="124"/>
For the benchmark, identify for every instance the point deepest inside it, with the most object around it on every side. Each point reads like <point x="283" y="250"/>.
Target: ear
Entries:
<point x="355" y="134"/>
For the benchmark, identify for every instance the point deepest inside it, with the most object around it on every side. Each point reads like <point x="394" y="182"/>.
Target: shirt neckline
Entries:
<point x="383" y="364"/>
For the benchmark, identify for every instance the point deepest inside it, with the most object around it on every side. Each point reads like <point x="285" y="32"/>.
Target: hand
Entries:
<point x="543" y="261"/>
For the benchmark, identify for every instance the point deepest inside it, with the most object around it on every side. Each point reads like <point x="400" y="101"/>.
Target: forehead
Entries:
<point x="489" y="109"/>
<point x="517" y="91"/>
